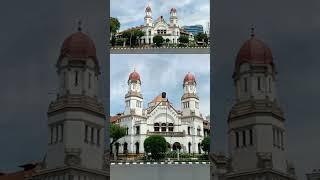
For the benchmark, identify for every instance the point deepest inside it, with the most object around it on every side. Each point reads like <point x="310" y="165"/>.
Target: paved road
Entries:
<point x="160" y="172"/>
<point x="160" y="51"/>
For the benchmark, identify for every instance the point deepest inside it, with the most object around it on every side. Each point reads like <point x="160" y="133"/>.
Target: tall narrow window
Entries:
<point x="244" y="143"/>
<point x="86" y="134"/>
<point x="64" y="80"/>
<point x="270" y="85"/>
<point x="51" y="135"/>
<point x="163" y="127"/>
<point x="281" y="138"/>
<point x="89" y="81"/>
<point x="137" y="129"/>
<point x="278" y="138"/>
<point x="127" y="130"/>
<point x="92" y="135"/>
<point x="61" y="136"/>
<point x="274" y="136"/>
<point x="259" y="83"/>
<point x="251" y="136"/>
<point x="156" y="127"/>
<point x="245" y="84"/>
<point x="237" y="139"/>
<point x="137" y="148"/>
<point x="98" y="137"/>
<point x="57" y="134"/>
<point x="76" y="79"/>
<point x="189" y="131"/>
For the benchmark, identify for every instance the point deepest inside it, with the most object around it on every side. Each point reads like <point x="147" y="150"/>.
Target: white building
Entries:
<point x="76" y="118"/>
<point x="170" y="31"/>
<point x="256" y="123"/>
<point x="185" y="128"/>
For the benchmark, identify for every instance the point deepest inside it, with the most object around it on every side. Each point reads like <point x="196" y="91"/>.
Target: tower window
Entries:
<point x="92" y="135"/>
<point x="245" y="84"/>
<point x="64" y="80"/>
<point x="76" y="79"/>
<point x="197" y="105"/>
<point x="57" y="134"/>
<point x="251" y="136"/>
<point x="137" y="129"/>
<point x="244" y="143"/>
<point x="270" y="85"/>
<point x="127" y="130"/>
<point x="281" y="139"/>
<point x="274" y="136"/>
<point x="61" y="135"/>
<point x="237" y="139"/>
<point x="51" y="135"/>
<point x="89" y="81"/>
<point x="259" y="83"/>
<point x="189" y="131"/>
<point x="98" y="137"/>
<point x="86" y="134"/>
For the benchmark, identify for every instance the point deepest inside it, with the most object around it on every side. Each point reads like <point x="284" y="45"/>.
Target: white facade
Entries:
<point x="170" y="31"/>
<point x="160" y="117"/>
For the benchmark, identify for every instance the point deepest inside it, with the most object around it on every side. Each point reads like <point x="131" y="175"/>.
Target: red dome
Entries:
<point x="78" y="45"/>
<point x="134" y="76"/>
<point x="254" y="51"/>
<point x="173" y="10"/>
<point x="189" y="78"/>
<point x="148" y="9"/>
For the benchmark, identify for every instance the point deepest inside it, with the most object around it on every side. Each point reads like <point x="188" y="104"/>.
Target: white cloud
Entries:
<point x="131" y="12"/>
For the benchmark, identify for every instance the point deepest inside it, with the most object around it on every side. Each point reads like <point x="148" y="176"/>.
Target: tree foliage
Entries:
<point x="156" y="145"/>
<point x="201" y="37"/>
<point x="205" y="144"/>
<point x="116" y="132"/>
<point x="133" y="36"/>
<point x="183" y="39"/>
<point x="114" y="25"/>
<point x="158" y="40"/>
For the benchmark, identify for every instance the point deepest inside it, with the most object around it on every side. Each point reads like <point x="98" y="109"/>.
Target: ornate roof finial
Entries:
<point x="252" y="31"/>
<point x="79" y="25"/>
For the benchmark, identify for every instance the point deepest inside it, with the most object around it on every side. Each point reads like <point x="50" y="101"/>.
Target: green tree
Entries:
<point x="201" y="37"/>
<point x="205" y="144"/>
<point x="158" y="40"/>
<point x="116" y="132"/>
<point x="183" y="39"/>
<point x="133" y="35"/>
<point x="156" y="145"/>
<point x="114" y="25"/>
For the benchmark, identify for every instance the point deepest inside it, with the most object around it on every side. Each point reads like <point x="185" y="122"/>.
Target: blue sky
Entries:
<point x="131" y="12"/>
<point x="159" y="72"/>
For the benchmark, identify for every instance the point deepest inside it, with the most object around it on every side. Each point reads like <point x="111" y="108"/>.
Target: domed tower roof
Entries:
<point x="189" y="78"/>
<point x="148" y="9"/>
<point x="254" y="51"/>
<point x="78" y="45"/>
<point x="173" y="10"/>
<point x="134" y="76"/>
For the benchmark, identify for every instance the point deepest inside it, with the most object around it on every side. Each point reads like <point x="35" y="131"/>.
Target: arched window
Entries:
<point x="170" y="128"/>
<point x="163" y="127"/>
<point x="137" y="147"/>
<point x="117" y="148"/>
<point x="127" y="130"/>
<point x="125" y="148"/>
<point x="189" y="147"/>
<point x="189" y="129"/>
<point x="156" y="127"/>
